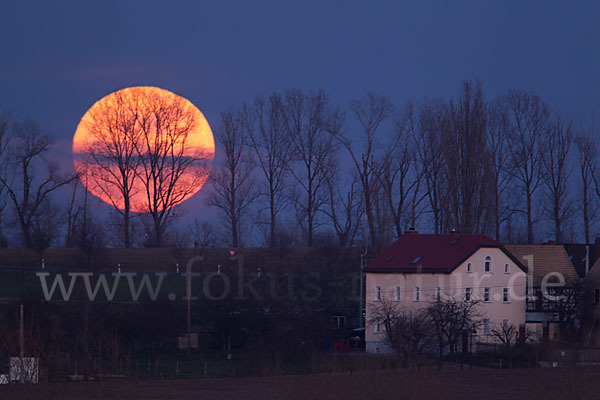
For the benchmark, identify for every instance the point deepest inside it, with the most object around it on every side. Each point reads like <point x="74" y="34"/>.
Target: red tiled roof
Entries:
<point x="428" y="253"/>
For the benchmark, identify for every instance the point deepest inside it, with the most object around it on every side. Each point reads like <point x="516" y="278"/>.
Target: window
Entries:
<point x="506" y="269"/>
<point x="397" y="294"/>
<point x="486" y="294"/>
<point x="468" y="294"/>
<point x="469" y="267"/>
<point x="377" y="293"/>
<point x="338" y="322"/>
<point x="437" y="294"/>
<point x="487" y="265"/>
<point x="531" y="301"/>
<point x="505" y="295"/>
<point x="486" y="326"/>
<point x="505" y="324"/>
<point x="416" y="293"/>
<point x="377" y="327"/>
<point x="596" y="296"/>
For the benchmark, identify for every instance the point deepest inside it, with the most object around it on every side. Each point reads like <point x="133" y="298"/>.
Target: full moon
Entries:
<point x="143" y="147"/>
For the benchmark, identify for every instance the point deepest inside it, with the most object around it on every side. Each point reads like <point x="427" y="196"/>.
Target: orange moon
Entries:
<point x="103" y="182"/>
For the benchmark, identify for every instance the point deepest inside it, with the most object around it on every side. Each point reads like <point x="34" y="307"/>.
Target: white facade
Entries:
<point x="488" y="275"/>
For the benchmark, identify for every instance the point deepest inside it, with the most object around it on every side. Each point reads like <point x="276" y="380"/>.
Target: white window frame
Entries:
<point x="397" y="293"/>
<point x="488" y="298"/>
<point x="505" y="323"/>
<point x="377" y="327"/>
<point x="377" y="293"/>
<point x="469" y="267"/>
<point x="416" y="293"/>
<point x="487" y="326"/>
<point x="487" y="264"/>
<point x="506" y="295"/>
<point x="468" y="294"/>
<point x="506" y="268"/>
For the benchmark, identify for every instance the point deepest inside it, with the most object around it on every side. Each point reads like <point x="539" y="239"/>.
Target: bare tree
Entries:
<point x="566" y="303"/>
<point x="432" y="122"/>
<point x="171" y="165"/>
<point x="109" y="156"/>
<point x="587" y="167"/>
<point x="28" y="194"/>
<point x="45" y="227"/>
<point x="272" y="147"/>
<point x="202" y="234"/>
<point x="499" y="175"/>
<point x="233" y="189"/>
<point x="556" y="171"/>
<point x="179" y="241"/>
<point x="72" y="214"/>
<point x="4" y="170"/>
<point x="508" y="336"/>
<point x="409" y="334"/>
<point x="142" y="154"/>
<point x="371" y="112"/>
<point x="450" y="317"/>
<point x="88" y="233"/>
<point x="465" y="158"/>
<point x="401" y="173"/>
<point x="344" y="207"/>
<point x="528" y="118"/>
<point x="312" y="125"/>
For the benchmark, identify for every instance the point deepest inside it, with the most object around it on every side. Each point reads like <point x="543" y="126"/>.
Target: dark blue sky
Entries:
<point x="59" y="57"/>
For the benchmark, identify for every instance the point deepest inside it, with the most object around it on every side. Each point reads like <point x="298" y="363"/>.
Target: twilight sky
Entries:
<point x="58" y="57"/>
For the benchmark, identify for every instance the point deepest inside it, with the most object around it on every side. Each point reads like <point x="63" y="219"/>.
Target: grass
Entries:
<point x="536" y="383"/>
<point x="212" y="364"/>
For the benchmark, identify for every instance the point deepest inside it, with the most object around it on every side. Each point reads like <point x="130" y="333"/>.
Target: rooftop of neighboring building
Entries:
<point x="544" y="259"/>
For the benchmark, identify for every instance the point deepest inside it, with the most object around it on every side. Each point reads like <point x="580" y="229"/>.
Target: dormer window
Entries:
<point x="487" y="265"/>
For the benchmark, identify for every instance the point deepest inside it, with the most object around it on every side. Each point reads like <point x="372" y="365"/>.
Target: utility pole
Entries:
<point x="361" y="304"/>
<point x="189" y="316"/>
<point x="188" y="294"/>
<point x="363" y="256"/>
<point x="21" y="345"/>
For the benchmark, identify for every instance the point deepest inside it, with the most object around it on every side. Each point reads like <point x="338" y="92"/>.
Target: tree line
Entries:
<point x="513" y="167"/>
<point x="295" y="168"/>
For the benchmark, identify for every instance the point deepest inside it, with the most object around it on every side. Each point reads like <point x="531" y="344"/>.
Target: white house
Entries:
<point x="418" y="268"/>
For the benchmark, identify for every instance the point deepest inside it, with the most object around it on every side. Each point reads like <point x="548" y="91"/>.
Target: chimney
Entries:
<point x="411" y="231"/>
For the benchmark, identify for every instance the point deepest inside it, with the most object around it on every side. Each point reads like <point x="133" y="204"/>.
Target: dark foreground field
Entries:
<point x="559" y="383"/>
